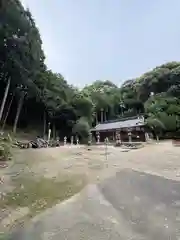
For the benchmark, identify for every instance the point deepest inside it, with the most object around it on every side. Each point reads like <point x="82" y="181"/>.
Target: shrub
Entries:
<point x="5" y="149"/>
<point x="81" y="129"/>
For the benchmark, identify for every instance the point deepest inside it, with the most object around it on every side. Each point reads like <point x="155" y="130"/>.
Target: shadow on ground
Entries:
<point x="131" y="205"/>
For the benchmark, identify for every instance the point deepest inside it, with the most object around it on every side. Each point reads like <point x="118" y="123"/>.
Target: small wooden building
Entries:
<point x="131" y="129"/>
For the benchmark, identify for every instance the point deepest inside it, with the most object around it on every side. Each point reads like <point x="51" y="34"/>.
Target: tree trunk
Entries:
<point x="54" y="131"/>
<point x="101" y="115"/>
<point x="7" y="113"/>
<point x="20" y="104"/>
<point x="105" y="116"/>
<point x="157" y="137"/>
<point x="44" y="120"/>
<point x="4" y="98"/>
<point x="122" y="112"/>
<point x="96" y="118"/>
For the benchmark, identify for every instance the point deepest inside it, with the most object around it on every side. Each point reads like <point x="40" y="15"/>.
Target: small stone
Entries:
<point x="166" y="226"/>
<point x="1" y="180"/>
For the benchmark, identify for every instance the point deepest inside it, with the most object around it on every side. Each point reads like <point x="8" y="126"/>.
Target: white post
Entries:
<point x="147" y="137"/>
<point x="49" y="135"/>
<point x="77" y="141"/>
<point x="72" y="140"/>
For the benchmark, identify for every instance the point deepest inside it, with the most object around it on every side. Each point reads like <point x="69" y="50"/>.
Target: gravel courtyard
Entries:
<point x="161" y="159"/>
<point x="92" y="168"/>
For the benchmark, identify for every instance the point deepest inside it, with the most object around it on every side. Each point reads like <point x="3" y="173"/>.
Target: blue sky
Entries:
<point x="87" y="40"/>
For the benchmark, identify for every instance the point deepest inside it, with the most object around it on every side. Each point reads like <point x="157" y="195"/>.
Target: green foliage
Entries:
<point x="5" y="150"/>
<point x="83" y="106"/>
<point x="164" y="108"/>
<point x="48" y="96"/>
<point x="155" y="123"/>
<point x="40" y="194"/>
<point x="4" y="236"/>
<point x="82" y="128"/>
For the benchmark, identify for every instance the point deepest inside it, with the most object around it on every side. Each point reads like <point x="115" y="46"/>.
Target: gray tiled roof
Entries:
<point x="120" y="124"/>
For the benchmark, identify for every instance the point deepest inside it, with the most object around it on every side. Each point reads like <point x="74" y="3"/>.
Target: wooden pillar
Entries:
<point x="96" y="116"/>
<point x="120" y="136"/>
<point x="113" y="135"/>
<point x="130" y="137"/>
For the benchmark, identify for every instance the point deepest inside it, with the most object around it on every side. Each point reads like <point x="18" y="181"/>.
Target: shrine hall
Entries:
<point x="126" y="130"/>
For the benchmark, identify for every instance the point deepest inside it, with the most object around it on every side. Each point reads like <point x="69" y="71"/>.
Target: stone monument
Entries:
<point x="106" y="140"/>
<point x="118" y="139"/>
<point x="65" y="140"/>
<point x="98" y="139"/>
<point x="58" y="141"/>
<point x="90" y="139"/>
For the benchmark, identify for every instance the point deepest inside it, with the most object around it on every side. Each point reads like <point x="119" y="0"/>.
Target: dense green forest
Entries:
<point x="31" y="95"/>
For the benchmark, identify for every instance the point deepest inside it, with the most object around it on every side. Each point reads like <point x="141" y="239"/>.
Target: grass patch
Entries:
<point x="4" y="236"/>
<point x="42" y="193"/>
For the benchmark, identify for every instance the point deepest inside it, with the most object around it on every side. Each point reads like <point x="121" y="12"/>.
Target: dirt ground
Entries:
<point x="98" y="163"/>
<point x="37" y="174"/>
